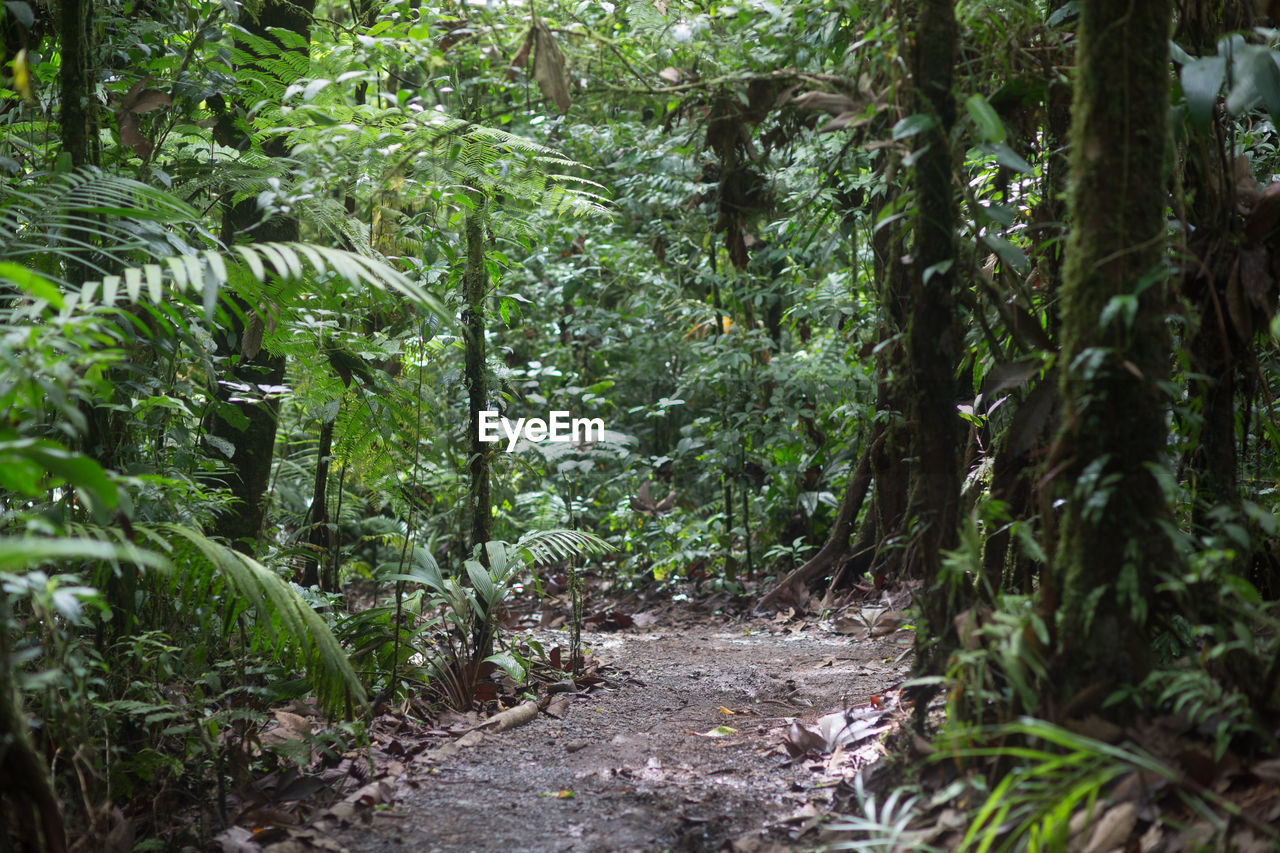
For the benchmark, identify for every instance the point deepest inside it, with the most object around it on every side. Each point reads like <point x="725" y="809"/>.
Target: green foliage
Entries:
<point x="460" y="610"/>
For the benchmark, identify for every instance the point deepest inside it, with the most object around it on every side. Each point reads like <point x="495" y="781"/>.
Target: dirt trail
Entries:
<point x="624" y="769"/>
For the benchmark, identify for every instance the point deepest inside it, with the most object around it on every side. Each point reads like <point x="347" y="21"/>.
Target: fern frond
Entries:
<point x="292" y="631"/>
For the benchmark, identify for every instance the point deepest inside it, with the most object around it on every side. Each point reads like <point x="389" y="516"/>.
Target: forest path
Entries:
<point x="626" y="770"/>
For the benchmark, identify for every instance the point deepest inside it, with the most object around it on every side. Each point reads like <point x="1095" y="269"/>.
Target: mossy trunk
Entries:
<point x="79" y="125"/>
<point x="933" y="335"/>
<point x="886" y="517"/>
<point x="250" y="424"/>
<point x="1115" y="351"/>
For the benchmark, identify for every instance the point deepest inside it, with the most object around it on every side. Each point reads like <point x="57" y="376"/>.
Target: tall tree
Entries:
<point x="250" y="425"/>
<point x="934" y="334"/>
<point x="1110" y="452"/>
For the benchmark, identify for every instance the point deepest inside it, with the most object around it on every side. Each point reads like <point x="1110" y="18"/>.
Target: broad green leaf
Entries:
<point x="1256" y="79"/>
<point x="1065" y="11"/>
<point x="1010" y="159"/>
<point x="912" y="125"/>
<point x="1006" y="251"/>
<point x="508" y="664"/>
<point x="1201" y="81"/>
<point x="32" y="282"/>
<point x="25" y="552"/>
<point x="984" y="116"/>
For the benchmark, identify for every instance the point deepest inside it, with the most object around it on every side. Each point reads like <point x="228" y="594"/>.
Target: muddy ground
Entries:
<point x="633" y="768"/>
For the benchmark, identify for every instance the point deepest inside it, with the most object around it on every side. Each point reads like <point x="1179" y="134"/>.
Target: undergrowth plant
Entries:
<point x="460" y="612"/>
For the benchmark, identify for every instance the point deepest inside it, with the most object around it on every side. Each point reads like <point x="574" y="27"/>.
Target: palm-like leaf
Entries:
<point x="545" y="546"/>
<point x="208" y="272"/>
<point x="88" y="217"/>
<point x="104" y="222"/>
<point x="287" y="625"/>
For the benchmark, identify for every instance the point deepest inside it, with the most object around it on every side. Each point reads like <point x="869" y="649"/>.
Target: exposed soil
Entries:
<point x="631" y="768"/>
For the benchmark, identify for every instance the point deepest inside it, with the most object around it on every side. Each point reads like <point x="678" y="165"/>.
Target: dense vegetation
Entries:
<point x="972" y="298"/>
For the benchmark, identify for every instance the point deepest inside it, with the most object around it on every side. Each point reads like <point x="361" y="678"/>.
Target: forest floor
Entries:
<point x="683" y="746"/>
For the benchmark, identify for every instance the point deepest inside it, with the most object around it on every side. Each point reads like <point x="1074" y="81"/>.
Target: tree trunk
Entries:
<point x="1112" y="442"/>
<point x="24" y="775"/>
<point x="474" y="284"/>
<point x="76" y="83"/>
<point x="250" y="427"/>
<point x="886" y="517"/>
<point x="1016" y="469"/>
<point x="933" y="336"/>
<point x="321" y="537"/>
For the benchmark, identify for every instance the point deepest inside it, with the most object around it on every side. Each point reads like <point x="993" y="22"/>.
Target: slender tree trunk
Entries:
<point x="1015" y="469"/>
<point x="888" y="460"/>
<point x="475" y="279"/>
<point x="24" y="774"/>
<point x="934" y="336"/>
<point x="474" y="285"/>
<point x="321" y="537"/>
<point x="250" y="426"/>
<point x="79" y="126"/>
<point x="1112" y="538"/>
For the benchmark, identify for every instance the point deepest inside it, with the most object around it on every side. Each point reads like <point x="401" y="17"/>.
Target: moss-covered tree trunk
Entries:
<point x="1114" y="347"/>
<point x="933" y="334"/>
<point x="76" y="89"/>
<point x="248" y="420"/>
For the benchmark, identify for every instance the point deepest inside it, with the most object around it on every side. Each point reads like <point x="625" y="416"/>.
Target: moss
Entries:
<point x="1113" y="362"/>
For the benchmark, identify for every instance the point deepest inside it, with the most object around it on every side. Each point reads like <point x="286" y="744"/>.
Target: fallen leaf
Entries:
<point x="1113" y="829"/>
<point x="558" y="707"/>
<point x="801" y="741"/>
<point x="718" y="731"/>
<point x="562" y="794"/>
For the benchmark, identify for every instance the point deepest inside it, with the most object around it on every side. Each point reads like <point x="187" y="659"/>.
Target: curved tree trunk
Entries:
<point x="1112" y="538"/>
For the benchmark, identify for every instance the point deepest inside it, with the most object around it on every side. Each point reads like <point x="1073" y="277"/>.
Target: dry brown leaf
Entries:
<point x="1268" y="771"/>
<point x="801" y="741"/>
<point x="300" y="725"/>
<point x="521" y="59"/>
<point x="558" y="707"/>
<point x="1113" y="829"/>
<point x="548" y="67"/>
<point x="1097" y="728"/>
<point x="131" y="137"/>
<point x="840" y="122"/>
